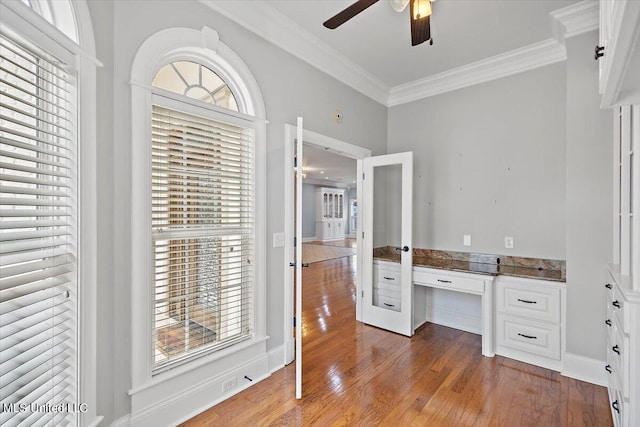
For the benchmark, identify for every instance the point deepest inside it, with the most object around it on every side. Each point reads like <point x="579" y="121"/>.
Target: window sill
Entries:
<point x="198" y="363"/>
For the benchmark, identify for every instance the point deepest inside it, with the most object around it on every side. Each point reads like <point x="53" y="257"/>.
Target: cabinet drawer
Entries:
<point x="445" y="281"/>
<point x="527" y="335"/>
<point x="395" y="294"/>
<point x="386" y="276"/>
<point x="617" y="409"/>
<point x="534" y="303"/>
<point x="387" y="302"/>
<point x="618" y="358"/>
<point x="618" y="307"/>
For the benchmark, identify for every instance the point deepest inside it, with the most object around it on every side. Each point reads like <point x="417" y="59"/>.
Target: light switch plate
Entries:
<point x="466" y="240"/>
<point x="508" y="242"/>
<point x="278" y="240"/>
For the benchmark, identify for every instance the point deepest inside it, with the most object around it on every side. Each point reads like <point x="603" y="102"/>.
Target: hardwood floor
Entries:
<point x="358" y="375"/>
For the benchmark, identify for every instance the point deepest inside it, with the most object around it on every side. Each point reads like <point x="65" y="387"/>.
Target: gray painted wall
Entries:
<point x="290" y="88"/>
<point x="489" y="161"/>
<point x="309" y="210"/>
<point x="589" y="200"/>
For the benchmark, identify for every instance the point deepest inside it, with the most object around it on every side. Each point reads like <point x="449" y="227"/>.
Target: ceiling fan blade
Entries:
<point x="420" y="28"/>
<point x="348" y="13"/>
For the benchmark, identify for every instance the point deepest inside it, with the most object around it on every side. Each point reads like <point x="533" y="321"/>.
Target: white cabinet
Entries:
<point x="330" y="214"/>
<point x="386" y="286"/>
<point x="623" y="350"/>
<point x="619" y="65"/>
<point x="530" y="320"/>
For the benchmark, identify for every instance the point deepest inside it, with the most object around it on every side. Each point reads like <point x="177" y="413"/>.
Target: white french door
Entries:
<point x="387" y="223"/>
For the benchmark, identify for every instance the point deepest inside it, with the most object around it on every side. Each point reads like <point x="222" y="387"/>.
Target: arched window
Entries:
<point x="198" y="224"/>
<point x="47" y="360"/>
<point x="195" y="81"/>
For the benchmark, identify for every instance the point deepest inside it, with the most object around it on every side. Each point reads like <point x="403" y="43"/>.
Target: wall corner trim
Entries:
<point x="584" y="369"/>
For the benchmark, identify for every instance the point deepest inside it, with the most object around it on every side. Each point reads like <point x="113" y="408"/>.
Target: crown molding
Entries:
<point x="516" y="61"/>
<point x="270" y="24"/>
<point x="576" y="19"/>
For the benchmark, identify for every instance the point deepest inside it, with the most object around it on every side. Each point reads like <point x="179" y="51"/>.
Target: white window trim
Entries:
<point x="26" y="22"/>
<point x="166" y="46"/>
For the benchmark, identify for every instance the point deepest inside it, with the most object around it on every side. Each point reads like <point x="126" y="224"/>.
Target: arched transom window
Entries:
<point x="197" y="82"/>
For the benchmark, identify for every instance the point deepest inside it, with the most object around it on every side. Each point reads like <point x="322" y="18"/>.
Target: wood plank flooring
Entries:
<point x="358" y="375"/>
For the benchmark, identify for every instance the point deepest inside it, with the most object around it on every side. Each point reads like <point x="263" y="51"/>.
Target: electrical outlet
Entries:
<point x="508" y="242"/>
<point x="228" y="385"/>
<point x="466" y="240"/>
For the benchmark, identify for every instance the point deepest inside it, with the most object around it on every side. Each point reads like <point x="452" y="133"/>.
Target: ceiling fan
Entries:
<point x="419" y="14"/>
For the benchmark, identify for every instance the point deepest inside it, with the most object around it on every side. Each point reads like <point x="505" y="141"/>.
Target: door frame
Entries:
<point x="338" y="147"/>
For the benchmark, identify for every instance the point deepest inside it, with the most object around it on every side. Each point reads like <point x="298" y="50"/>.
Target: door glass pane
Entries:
<point x="387" y="225"/>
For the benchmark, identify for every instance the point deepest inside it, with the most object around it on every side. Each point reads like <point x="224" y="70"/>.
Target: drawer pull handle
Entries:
<point x="608" y="322"/>
<point x="614" y="405"/>
<point x="531" y="337"/>
<point x="608" y="368"/>
<point x="526" y="301"/>
<point x="616" y="349"/>
<point x="389" y="305"/>
<point x="616" y="304"/>
<point x="389" y="278"/>
<point x="444" y="281"/>
<point x="608" y="286"/>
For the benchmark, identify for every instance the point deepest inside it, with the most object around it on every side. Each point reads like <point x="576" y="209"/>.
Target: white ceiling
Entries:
<point x="464" y="31"/>
<point x="474" y="41"/>
<point x="326" y="168"/>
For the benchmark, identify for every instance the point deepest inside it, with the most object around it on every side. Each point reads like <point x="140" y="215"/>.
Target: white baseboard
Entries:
<point x="309" y="239"/>
<point x="276" y="358"/>
<point x="122" y="421"/>
<point x="584" y="369"/>
<point x="197" y="399"/>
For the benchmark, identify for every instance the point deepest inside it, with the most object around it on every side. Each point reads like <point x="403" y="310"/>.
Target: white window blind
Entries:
<point x="38" y="224"/>
<point x="203" y="234"/>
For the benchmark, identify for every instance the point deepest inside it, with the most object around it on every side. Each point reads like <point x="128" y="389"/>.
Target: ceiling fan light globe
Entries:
<point x="421" y="9"/>
<point x="399" y="5"/>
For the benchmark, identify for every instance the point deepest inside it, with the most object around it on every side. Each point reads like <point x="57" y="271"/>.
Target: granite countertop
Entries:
<point x="531" y="268"/>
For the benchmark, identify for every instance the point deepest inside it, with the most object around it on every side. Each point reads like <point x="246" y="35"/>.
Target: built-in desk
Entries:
<point x="520" y="318"/>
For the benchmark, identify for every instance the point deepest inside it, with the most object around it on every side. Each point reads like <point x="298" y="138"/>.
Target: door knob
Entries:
<point x="403" y="249"/>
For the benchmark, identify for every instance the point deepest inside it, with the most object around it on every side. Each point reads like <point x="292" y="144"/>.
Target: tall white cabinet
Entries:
<point x="623" y="289"/>
<point x="618" y="54"/>
<point x="330" y="214"/>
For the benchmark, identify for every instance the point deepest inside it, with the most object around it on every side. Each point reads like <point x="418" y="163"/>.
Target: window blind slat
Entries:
<point x="29" y="100"/>
<point x="63" y="121"/>
<point x="35" y="276"/>
<point x="55" y="183"/>
<point x="23" y="136"/>
<point x="25" y="245"/>
<point x="58" y="163"/>
<point x="32" y="255"/>
<point x="32" y="266"/>
<point x="59" y="134"/>
<point x="35" y="74"/>
<point x="41" y="96"/>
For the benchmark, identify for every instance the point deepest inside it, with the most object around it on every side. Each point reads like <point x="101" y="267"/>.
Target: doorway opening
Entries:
<point x="318" y="143"/>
